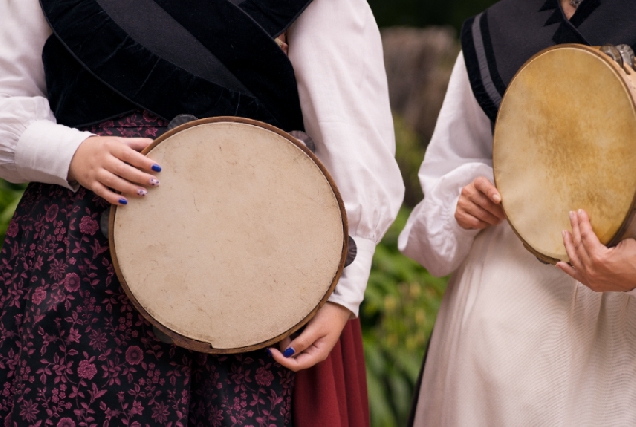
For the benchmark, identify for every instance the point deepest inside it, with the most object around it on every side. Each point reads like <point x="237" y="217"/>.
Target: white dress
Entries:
<point x="517" y="342"/>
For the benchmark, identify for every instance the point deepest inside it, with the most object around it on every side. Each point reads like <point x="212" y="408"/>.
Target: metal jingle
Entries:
<point x="627" y="53"/>
<point x="614" y="53"/>
<point x="104" y="223"/>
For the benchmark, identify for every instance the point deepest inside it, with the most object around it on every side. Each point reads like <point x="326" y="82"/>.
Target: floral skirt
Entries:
<point x="74" y="351"/>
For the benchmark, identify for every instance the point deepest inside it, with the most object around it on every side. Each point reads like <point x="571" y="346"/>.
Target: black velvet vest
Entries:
<point x="497" y="42"/>
<point x="200" y="57"/>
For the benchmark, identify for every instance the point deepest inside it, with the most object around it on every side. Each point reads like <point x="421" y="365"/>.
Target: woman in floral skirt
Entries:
<point x="85" y="85"/>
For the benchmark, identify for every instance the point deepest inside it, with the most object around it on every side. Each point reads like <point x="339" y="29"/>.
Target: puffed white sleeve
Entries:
<point x="32" y="146"/>
<point x="460" y="151"/>
<point x="336" y="51"/>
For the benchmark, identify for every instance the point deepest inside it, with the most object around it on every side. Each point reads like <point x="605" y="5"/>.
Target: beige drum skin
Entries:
<point x="565" y="139"/>
<point x="242" y="242"/>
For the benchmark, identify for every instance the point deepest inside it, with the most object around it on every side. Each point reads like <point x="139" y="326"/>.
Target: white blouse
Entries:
<point x="460" y="151"/>
<point x="336" y="51"/>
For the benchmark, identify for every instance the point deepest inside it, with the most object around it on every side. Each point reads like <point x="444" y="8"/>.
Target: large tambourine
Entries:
<point x="241" y="244"/>
<point x="565" y="139"/>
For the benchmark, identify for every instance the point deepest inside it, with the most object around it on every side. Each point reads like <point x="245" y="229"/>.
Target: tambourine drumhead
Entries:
<point x="242" y="241"/>
<point x="565" y="139"/>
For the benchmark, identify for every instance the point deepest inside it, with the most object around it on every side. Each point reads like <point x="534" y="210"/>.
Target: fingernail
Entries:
<point x="269" y="351"/>
<point x="571" y="214"/>
<point x="289" y="352"/>
<point x="497" y="198"/>
<point x="154" y="181"/>
<point x="156" y="168"/>
<point x="142" y="192"/>
<point x="123" y="201"/>
<point x="580" y="211"/>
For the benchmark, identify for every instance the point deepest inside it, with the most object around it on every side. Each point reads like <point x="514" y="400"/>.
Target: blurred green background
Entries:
<point x="402" y="299"/>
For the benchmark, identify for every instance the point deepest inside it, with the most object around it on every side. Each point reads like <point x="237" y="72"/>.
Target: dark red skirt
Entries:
<point x="73" y="350"/>
<point x="334" y="392"/>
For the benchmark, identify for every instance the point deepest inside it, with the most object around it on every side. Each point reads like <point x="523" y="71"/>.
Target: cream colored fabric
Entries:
<point x="518" y="343"/>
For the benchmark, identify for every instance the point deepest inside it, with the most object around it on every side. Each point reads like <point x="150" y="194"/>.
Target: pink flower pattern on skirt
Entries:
<point x="75" y="353"/>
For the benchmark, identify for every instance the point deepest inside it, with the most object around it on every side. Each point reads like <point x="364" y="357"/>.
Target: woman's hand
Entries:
<point x="598" y="267"/>
<point x="314" y="344"/>
<point x="479" y="205"/>
<point x="109" y="164"/>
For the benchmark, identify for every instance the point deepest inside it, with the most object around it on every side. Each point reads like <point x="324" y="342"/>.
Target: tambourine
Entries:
<point x="565" y="139"/>
<point x="241" y="244"/>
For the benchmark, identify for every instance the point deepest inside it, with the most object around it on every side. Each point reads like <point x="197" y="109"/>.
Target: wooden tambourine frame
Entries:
<point x="627" y="78"/>
<point x="205" y="347"/>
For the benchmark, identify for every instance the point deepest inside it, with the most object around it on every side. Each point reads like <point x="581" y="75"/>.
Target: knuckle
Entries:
<point x="597" y="258"/>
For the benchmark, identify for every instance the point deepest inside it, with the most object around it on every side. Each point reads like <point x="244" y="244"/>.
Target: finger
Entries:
<point x="581" y="254"/>
<point x="303" y="341"/>
<point x="316" y="353"/>
<point x="138" y="160"/>
<point x="469" y="222"/>
<point x="477" y="211"/>
<point x="487" y="188"/>
<point x="120" y="185"/>
<point x="478" y="198"/>
<point x="108" y="195"/>
<point x="284" y="344"/>
<point x="569" y="270"/>
<point x="590" y="241"/>
<point x="137" y="144"/>
<point x="130" y="173"/>
<point x="570" y="250"/>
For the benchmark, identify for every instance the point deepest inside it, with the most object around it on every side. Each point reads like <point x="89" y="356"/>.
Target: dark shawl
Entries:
<point x="204" y="58"/>
<point x="497" y="42"/>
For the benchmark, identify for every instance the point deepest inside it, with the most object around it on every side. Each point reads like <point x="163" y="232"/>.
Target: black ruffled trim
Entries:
<point x="474" y="74"/>
<point x="566" y="33"/>
<point x="584" y="11"/>
<point x="269" y="15"/>
<point x="112" y="61"/>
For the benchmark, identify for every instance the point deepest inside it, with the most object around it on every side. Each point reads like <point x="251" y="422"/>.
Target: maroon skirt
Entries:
<point x="75" y="352"/>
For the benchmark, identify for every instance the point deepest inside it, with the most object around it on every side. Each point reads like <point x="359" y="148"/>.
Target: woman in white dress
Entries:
<point x="518" y="343"/>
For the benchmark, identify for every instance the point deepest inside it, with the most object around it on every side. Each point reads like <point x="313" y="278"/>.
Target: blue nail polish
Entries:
<point x="156" y="168"/>
<point x="123" y="201"/>
<point x="269" y="351"/>
<point x="142" y="192"/>
<point x="154" y="181"/>
<point x="289" y="352"/>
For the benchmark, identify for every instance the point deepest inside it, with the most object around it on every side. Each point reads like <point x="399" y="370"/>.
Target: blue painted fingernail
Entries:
<point x="156" y="168"/>
<point x="154" y="181"/>
<point x="289" y="352"/>
<point x="123" y="201"/>
<point x="269" y="351"/>
<point x="142" y="192"/>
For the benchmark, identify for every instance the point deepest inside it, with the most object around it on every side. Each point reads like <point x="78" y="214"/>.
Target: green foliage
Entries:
<point x="9" y="197"/>
<point x="409" y="154"/>
<point x="397" y="317"/>
<point x="421" y="13"/>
